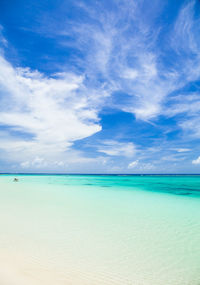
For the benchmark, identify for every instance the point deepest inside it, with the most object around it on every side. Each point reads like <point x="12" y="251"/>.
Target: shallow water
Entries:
<point x="82" y="229"/>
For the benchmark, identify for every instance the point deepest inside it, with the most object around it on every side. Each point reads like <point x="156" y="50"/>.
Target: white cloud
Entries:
<point x="146" y="166"/>
<point x="189" y="105"/>
<point x="129" y="74"/>
<point x="53" y="112"/>
<point x="196" y="161"/>
<point x="191" y="126"/>
<point x="183" y="149"/>
<point x="133" y="164"/>
<point x="171" y="157"/>
<point x="59" y="163"/>
<point x="25" y="164"/>
<point x="115" y="148"/>
<point x="186" y="29"/>
<point x="37" y="162"/>
<point x="141" y="166"/>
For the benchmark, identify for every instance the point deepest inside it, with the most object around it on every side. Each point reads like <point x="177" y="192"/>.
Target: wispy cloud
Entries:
<point x="121" y="49"/>
<point x="138" y="166"/>
<point x="122" y="60"/>
<point x="115" y="148"/>
<point x="183" y="149"/>
<point x="3" y="41"/>
<point x="133" y="164"/>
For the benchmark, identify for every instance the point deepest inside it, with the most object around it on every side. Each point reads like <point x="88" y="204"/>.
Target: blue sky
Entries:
<point x="100" y="86"/>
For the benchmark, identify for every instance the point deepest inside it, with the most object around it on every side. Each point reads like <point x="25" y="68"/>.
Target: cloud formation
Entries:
<point x="115" y="148"/>
<point x="128" y="58"/>
<point x="52" y="111"/>
<point x="133" y="164"/>
<point x="123" y="55"/>
<point x="196" y="161"/>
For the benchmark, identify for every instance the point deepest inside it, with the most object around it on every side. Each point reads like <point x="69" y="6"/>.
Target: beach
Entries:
<point x="82" y="229"/>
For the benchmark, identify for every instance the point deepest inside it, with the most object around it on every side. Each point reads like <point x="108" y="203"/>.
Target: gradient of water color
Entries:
<point x="89" y="230"/>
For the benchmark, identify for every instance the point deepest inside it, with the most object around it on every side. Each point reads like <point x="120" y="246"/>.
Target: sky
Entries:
<point x="98" y="86"/>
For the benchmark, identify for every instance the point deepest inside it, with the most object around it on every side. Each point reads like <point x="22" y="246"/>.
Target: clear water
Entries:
<point x="82" y="229"/>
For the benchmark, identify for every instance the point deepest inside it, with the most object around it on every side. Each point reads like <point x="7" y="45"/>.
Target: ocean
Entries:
<point x="99" y="229"/>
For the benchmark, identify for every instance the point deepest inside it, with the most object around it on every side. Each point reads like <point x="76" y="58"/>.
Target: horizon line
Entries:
<point x="115" y="174"/>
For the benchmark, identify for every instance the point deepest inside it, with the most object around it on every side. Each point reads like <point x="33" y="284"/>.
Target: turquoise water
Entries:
<point x="82" y="229"/>
<point x="177" y="184"/>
